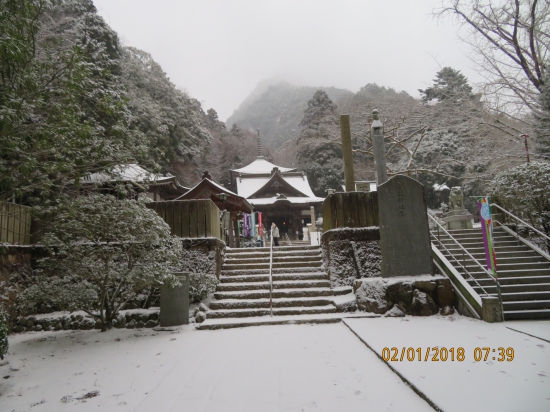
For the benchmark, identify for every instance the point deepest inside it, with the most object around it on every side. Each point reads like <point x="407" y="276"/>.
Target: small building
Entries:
<point x="282" y="194"/>
<point x="156" y="187"/>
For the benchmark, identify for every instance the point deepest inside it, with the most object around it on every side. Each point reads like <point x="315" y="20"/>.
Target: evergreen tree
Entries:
<point x="212" y="121"/>
<point x="171" y="121"/>
<point x="318" y="108"/>
<point x="61" y="114"/>
<point x="449" y="84"/>
<point x="319" y="151"/>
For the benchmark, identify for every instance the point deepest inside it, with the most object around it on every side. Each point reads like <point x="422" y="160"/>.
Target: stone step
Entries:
<point x="289" y="284"/>
<point x="264" y="303"/>
<point x="455" y="250"/>
<point x="235" y="251"/>
<point x="518" y="267"/>
<point x="521" y="254"/>
<point x="525" y="304"/>
<point x="524" y="296"/>
<point x="511" y="273"/>
<point x="245" y="272"/>
<point x="528" y="287"/>
<point x="527" y="314"/>
<point x="478" y="239"/>
<point x="241" y="313"/>
<point x="212" y="324"/>
<point x="480" y="244"/>
<point x="276" y="252"/>
<point x="507" y="264"/>
<point x="502" y="258"/>
<point x="276" y="277"/>
<point x="276" y="259"/>
<point x="280" y="293"/>
<point x="276" y="265"/>
<point x="512" y="280"/>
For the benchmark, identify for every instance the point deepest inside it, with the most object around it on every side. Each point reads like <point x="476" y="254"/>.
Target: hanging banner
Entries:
<point x="484" y="206"/>
<point x="260" y="223"/>
<point x="253" y="225"/>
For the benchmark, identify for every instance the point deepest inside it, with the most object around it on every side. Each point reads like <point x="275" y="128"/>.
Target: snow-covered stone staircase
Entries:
<point x="524" y="275"/>
<point x="301" y="289"/>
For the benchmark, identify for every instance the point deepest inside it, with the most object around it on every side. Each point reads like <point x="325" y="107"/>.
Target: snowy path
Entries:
<point x="275" y="368"/>
<point x="520" y="385"/>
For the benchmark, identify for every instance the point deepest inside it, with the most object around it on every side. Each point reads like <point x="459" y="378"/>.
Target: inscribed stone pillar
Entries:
<point x="404" y="231"/>
<point x="174" y="303"/>
<point x="347" y="152"/>
<point x="379" y="150"/>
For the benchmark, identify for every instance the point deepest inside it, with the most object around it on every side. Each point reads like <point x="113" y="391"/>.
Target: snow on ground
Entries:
<point x="520" y="385"/>
<point x="274" y="368"/>
<point x="537" y="328"/>
<point x="269" y="368"/>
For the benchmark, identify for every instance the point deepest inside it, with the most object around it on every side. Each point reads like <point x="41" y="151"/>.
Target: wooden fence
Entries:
<point x="350" y="209"/>
<point x="190" y="218"/>
<point x="15" y="224"/>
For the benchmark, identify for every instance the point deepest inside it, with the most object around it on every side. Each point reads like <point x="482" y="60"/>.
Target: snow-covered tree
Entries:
<point x="525" y="191"/>
<point x="449" y="84"/>
<point x="319" y="151"/>
<point x="102" y="252"/>
<point x="171" y="121"/>
<point x="61" y="113"/>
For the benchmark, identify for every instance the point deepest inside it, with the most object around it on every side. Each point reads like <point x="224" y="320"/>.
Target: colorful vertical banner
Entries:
<point x="485" y="216"/>
<point x="260" y="223"/>
<point x="253" y="225"/>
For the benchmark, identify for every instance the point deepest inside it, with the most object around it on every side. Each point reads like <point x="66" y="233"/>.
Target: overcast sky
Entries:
<point x="218" y="50"/>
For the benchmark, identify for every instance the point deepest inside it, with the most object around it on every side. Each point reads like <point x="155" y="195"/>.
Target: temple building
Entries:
<point x="281" y="194"/>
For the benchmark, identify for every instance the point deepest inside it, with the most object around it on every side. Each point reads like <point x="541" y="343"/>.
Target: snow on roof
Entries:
<point x="125" y="173"/>
<point x="222" y="189"/>
<point x="260" y="165"/>
<point x="248" y="185"/>
<point x="295" y="200"/>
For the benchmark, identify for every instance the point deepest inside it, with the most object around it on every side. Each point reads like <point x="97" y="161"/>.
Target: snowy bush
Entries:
<point x="200" y="262"/>
<point x="3" y="333"/>
<point x="102" y="253"/>
<point x="525" y="191"/>
<point x="200" y="284"/>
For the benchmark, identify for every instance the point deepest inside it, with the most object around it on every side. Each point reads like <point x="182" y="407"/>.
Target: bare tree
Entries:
<point x="511" y="44"/>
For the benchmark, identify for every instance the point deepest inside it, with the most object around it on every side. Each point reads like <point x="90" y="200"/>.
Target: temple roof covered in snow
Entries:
<point x="263" y="183"/>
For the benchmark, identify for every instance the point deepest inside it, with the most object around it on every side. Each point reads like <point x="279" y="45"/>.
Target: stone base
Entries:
<point x="418" y="296"/>
<point x="351" y="253"/>
<point x="491" y="309"/>
<point x="455" y="221"/>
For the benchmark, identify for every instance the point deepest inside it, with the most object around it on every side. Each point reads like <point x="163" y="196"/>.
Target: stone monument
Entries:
<point x="458" y="216"/>
<point x="404" y="232"/>
<point x="174" y="303"/>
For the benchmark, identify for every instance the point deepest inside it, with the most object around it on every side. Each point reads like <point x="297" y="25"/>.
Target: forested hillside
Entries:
<point x="277" y="108"/>
<point x="74" y="101"/>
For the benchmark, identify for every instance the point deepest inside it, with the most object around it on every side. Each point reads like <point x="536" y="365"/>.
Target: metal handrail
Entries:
<point x="271" y="275"/>
<point x="519" y="238"/>
<point x="522" y="221"/>
<point x="464" y="251"/>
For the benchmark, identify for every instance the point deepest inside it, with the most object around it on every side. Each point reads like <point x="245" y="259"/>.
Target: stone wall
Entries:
<point x="129" y="319"/>
<point x="419" y="296"/>
<point x="351" y="253"/>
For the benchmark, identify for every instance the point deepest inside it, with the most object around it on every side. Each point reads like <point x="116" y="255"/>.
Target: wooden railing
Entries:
<point x="15" y="224"/>
<point x="350" y="209"/>
<point x="190" y="218"/>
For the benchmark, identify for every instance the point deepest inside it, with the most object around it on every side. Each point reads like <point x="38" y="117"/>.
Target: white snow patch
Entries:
<point x="520" y="385"/>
